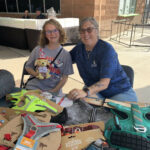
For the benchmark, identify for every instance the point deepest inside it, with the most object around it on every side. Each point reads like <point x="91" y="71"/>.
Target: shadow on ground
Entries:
<point x="143" y="94"/>
<point x="11" y="53"/>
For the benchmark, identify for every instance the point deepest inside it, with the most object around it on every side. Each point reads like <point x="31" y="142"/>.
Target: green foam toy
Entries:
<point x="15" y="97"/>
<point x="30" y="103"/>
<point x="130" y="127"/>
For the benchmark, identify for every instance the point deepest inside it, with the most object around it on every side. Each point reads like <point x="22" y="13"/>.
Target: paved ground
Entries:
<point x="138" y="57"/>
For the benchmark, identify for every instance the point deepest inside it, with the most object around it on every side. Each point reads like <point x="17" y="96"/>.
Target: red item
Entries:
<point x="3" y="147"/>
<point x="77" y="129"/>
<point x="7" y="137"/>
<point x="61" y="100"/>
<point x="23" y="115"/>
<point x="30" y="134"/>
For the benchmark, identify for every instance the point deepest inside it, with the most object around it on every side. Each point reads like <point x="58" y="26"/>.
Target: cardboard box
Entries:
<point x="9" y="114"/>
<point x="80" y="140"/>
<point x="3" y="120"/>
<point x="50" y="142"/>
<point x="94" y="101"/>
<point x="127" y="104"/>
<point x="14" y="128"/>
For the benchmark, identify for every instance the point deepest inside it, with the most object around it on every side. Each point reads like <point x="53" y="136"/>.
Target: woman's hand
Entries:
<point x="76" y="94"/>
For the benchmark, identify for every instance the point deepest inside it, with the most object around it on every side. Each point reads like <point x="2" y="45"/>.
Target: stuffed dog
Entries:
<point x="42" y="68"/>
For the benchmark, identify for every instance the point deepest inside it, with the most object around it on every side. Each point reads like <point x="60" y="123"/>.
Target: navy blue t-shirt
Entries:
<point x="102" y="62"/>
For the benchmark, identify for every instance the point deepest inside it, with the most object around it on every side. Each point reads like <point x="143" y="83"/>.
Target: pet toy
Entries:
<point x="24" y="100"/>
<point x="34" y="130"/>
<point x="42" y="68"/>
<point x="129" y="129"/>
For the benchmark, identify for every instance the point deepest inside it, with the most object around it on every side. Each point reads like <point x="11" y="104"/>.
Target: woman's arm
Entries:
<point x="99" y="86"/>
<point x="60" y="84"/>
<point x="95" y="88"/>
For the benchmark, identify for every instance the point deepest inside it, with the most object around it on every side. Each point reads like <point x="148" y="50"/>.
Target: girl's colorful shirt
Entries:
<point x="61" y="66"/>
<point x="54" y="67"/>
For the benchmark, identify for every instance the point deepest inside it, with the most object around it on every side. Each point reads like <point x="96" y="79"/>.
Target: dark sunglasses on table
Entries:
<point x="89" y="30"/>
<point x="51" y="31"/>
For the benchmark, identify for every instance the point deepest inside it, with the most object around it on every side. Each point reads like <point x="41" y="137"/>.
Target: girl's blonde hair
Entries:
<point x="44" y="41"/>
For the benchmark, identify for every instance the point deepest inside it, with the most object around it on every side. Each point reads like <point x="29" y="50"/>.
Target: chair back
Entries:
<point x="130" y="73"/>
<point x="24" y="72"/>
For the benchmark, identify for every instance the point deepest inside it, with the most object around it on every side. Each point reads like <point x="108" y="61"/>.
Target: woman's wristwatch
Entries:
<point x="87" y="91"/>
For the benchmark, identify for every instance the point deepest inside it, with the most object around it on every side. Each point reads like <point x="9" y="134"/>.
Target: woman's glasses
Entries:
<point x="51" y="31"/>
<point x="88" y="30"/>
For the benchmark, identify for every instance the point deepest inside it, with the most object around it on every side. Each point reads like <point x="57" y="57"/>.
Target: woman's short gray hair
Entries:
<point x="91" y="20"/>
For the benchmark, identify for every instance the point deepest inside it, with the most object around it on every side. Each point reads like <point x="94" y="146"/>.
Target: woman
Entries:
<point x="52" y="36"/>
<point x="99" y="66"/>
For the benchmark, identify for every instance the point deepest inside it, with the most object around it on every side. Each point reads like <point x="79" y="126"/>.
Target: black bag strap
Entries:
<point x="56" y="55"/>
<point x="50" y="63"/>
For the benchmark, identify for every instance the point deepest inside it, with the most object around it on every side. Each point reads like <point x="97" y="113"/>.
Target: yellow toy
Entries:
<point x="42" y="68"/>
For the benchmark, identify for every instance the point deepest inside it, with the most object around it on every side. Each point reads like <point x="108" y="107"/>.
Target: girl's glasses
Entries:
<point x="88" y="30"/>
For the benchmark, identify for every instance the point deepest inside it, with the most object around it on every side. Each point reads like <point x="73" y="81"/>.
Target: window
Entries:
<point x="23" y="5"/>
<point x="31" y="5"/>
<point x="11" y="5"/>
<point x="127" y="7"/>
<point x="133" y="6"/>
<point x="53" y="3"/>
<point x="2" y="6"/>
<point x="37" y="4"/>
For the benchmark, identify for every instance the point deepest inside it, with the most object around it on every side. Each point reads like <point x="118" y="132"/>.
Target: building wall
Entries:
<point x="77" y="8"/>
<point x="107" y="10"/>
<point x="104" y="11"/>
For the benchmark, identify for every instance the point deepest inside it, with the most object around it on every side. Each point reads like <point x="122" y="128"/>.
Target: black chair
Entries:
<point x="129" y="71"/>
<point x="24" y="72"/>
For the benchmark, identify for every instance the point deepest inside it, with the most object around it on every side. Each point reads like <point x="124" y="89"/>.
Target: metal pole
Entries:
<point x="44" y="6"/>
<point x="117" y="31"/>
<point x="124" y="27"/>
<point x="134" y="32"/>
<point x="128" y="28"/>
<point x="131" y="36"/>
<point x="30" y="5"/>
<point x="147" y="11"/>
<point x="142" y="29"/>
<point x="17" y="6"/>
<point x="6" y="6"/>
<point x="120" y="31"/>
